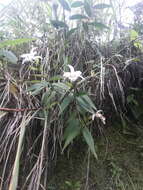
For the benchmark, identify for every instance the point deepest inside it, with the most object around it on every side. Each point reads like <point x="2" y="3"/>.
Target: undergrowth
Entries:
<point x="64" y="86"/>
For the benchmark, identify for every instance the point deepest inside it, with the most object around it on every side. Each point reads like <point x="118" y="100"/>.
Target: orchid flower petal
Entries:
<point x="71" y="68"/>
<point x="33" y="51"/>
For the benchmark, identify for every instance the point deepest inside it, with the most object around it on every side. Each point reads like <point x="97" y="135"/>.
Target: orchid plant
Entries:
<point x="73" y="76"/>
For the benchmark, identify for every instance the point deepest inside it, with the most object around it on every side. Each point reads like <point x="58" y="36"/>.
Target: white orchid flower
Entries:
<point x="72" y="75"/>
<point x="30" y="57"/>
<point x="99" y="115"/>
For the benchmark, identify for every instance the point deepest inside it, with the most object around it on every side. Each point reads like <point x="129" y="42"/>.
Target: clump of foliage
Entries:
<point x="43" y="109"/>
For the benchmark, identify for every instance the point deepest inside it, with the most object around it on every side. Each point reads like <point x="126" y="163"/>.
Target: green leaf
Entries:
<point x="89" y="101"/>
<point x="47" y="98"/>
<point x="85" y="26"/>
<point x="57" y="24"/>
<point x="98" y="25"/>
<point x="77" y="17"/>
<point x="8" y="56"/>
<point x="70" y="32"/>
<point x="101" y="6"/>
<point x="69" y="184"/>
<point x="133" y="34"/>
<point x="32" y="68"/>
<point x="56" y="78"/>
<point x="65" y="103"/>
<point x="65" y="5"/>
<point x="71" y="131"/>
<point x="85" y="102"/>
<point x="82" y="104"/>
<point x="87" y="8"/>
<point x="15" y="42"/>
<point x="131" y="99"/>
<point x="61" y="86"/>
<point x="76" y="4"/>
<point x="36" y="88"/>
<point x="138" y="44"/>
<point x="89" y="140"/>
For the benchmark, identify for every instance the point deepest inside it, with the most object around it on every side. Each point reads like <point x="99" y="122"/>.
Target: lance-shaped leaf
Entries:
<point x="59" y="24"/>
<point x="72" y="130"/>
<point x="85" y="26"/>
<point x="101" y="6"/>
<point x="65" y="5"/>
<point x="76" y="4"/>
<point x="8" y="56"/>
<point x="99" y="25"/>
<point x="15" y="42"/>
<point x="78" y="17"/>
<point x="87" y="8"/>
<point x="48" y="98"/>
<point x="89" y="101"/>
<point x="36" y="88"/>
<point x="70" y="32"/>
<point x="65" y="103"/>
<point x="55" y="78"/>
<point x="60" y="86"/>
<point x="85" y="102"/>
<point x="82" y="104"/>
<point x="89" y="140"/>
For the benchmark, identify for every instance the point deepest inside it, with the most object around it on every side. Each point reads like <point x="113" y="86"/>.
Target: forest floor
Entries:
<point x="119" y="165"/>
